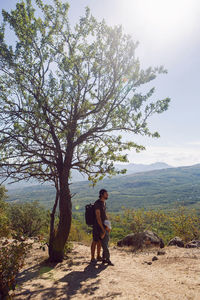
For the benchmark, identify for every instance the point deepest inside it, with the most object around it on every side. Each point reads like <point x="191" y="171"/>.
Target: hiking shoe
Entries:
<point x="107" y="261"/>
<point x="110" y="263"/>
<point x="93" y="261"/>
<point x="99" y="258"/>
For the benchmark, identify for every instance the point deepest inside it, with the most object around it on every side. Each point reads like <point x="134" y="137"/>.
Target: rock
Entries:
<point x="154" y="258"/>
<point x="161" y="252"/>
<point x="147" y="262"/>
<point x="162" y="245"/>
<point x="5" y="242"/>
<point x="141" y="239"/>
<point x="193" y="244"/>
<point x="176" y="241"/>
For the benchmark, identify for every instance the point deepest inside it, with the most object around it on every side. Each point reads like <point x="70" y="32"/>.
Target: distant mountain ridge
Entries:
<point x="165" y="188"/>
<point x="137" y="168"/>
<point x="131" y="169"/>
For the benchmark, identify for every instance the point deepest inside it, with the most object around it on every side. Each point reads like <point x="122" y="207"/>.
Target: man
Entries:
<point x="101" y="231"/>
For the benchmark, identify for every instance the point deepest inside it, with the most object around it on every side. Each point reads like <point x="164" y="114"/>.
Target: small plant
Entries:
<point x="68" y="248"/>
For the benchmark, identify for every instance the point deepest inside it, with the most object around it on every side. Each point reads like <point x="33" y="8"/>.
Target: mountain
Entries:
<point x="163" y="188"/>
<point x="77" y="176"/>
<point x="137" y="168"/>
<point x="131" y="169"/>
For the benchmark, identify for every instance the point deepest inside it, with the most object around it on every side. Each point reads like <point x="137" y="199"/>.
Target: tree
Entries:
<point x="66" y="95"/>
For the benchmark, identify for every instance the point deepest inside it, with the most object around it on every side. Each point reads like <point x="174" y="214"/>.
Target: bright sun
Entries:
<point x="163" y="21"/>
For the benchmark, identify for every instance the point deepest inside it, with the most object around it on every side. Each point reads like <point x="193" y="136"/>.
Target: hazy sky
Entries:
<point x="168" y="32"/>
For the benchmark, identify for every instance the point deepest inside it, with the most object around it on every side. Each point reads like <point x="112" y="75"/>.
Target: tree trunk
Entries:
<point x="52" y="220"/>
<point x="58" y="239"/>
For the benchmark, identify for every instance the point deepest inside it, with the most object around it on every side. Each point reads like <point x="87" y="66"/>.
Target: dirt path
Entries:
<point x="175" y="275"/>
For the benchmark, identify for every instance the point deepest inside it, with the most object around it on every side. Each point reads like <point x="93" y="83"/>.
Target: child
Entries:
<point x="104" y="243"/>
<point x="107" y="224"/>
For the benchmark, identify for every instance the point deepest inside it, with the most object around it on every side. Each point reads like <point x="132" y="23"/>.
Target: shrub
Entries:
<point x="28" y="219"/>
<point x="4" y="220"/>
<point x="68" y="249"/>
<point x="185" y="224"/>
<point x="167" y="224"/>
<point x="79" y="232"/>
<point x="12" y="257"/>
<point x="4" y="225"/>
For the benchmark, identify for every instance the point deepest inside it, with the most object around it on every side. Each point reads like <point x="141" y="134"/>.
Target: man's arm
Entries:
<point x="98" y="217"/>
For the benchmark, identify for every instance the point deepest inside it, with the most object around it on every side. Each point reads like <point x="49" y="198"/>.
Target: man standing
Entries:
<point x="101" y="231"/>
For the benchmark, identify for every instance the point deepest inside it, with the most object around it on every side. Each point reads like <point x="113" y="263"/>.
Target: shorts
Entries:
<point x="96" y="233"/>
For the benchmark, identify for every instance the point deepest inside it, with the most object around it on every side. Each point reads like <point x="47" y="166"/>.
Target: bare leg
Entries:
<point x="98" y="249"/>
<point x="93" y="246"/>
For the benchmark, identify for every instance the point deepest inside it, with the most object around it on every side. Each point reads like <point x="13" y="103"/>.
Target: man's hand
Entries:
<point x="103" y="234"/>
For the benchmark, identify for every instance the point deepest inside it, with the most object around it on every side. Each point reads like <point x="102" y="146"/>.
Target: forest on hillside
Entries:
<point x="158" y="189"/>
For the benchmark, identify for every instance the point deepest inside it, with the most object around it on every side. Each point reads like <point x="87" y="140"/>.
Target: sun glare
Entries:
<point x="163" y="21"/>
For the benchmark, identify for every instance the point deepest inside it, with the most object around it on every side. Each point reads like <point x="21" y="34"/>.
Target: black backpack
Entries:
<point x="89" y="214"/>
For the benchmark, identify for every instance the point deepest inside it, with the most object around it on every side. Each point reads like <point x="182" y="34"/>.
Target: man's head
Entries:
<point x="103" y="194"/>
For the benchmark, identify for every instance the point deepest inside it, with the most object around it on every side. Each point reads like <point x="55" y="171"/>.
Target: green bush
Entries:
<point x="68" y="248"/>
<point x="28" y="219"/>
<point x="167" y="224"/>
<point x="185" y="224"/>
<point x="4" y="219"/>
<point x="79" y="232"/>
<point x="11" y="260"/>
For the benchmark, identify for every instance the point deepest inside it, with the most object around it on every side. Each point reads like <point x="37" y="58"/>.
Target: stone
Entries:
<point x="160" y="252"/>
<point x="193" y="244"/>
<point x="147" y="262"/>
<point x="176" y="241"/>
<point x="154" y="258"/>
<point x="141" y="239"/>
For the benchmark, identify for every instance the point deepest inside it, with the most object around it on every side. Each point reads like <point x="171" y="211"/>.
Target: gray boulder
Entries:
<point x="176" y="241"/>
<point x="141" y="239"/>
<point x="193" y="244"/>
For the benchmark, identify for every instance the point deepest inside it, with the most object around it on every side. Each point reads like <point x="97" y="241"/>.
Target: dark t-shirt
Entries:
<point x="102" y="207"/>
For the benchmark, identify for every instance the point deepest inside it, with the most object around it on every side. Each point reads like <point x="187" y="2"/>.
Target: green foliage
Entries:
<point x="4" y="219"/>
<point x="79" y="231"/>
<point x="65" y="90"/>
<point x="68" y="248"/>
<point x="167" y="224"/>
<point x="185" y="224"/>
<point x="28" y="219"/>
<point x="3" y="196"/>
<point x="4" y="225"/>
<point x="11" y="260"/>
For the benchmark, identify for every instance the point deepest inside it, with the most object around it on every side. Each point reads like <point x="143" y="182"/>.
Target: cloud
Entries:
<point x="194" y="143"/>
<point x="164" y="28"/>
<point x="172" y="155"/>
